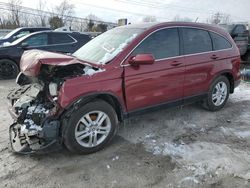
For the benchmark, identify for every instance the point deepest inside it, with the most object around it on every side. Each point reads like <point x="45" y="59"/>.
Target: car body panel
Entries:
<point x="109" y="82"/>
<point x="149" y="85"/>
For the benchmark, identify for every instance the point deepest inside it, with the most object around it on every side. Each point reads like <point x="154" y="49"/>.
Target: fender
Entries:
<point x="80" y="101"/>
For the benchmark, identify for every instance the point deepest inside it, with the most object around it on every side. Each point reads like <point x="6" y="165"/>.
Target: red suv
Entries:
<point x="79" y="100"/>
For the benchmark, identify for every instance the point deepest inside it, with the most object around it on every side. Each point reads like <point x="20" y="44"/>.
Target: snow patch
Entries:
<point x="112" y="53"/>
<point x="90" y="71"/>
<point x="241" y="93"/>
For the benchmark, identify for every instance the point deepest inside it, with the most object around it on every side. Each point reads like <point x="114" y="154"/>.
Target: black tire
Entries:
<point x="8" y="69"/>
<point x="208" y="103"/>
<point x="69" y="137"/>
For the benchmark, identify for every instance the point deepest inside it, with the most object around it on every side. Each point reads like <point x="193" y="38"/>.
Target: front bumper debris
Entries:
<point x="34" y="128"/>
<point x="25" y="140"/>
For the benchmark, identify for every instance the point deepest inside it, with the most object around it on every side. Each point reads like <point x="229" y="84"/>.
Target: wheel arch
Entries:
<point x="10" y="59"/>
<point x="229" y="76"/>
<point x="105" y="96"/>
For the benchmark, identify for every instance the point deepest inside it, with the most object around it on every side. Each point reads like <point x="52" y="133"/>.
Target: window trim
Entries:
<point x="181" y="42"/>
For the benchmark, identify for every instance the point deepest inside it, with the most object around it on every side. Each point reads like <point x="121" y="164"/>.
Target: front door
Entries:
<point x="161" y="82"/>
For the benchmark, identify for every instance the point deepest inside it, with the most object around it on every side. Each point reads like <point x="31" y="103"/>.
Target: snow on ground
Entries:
<point x="178" y="147"/>
<point x="242" y="92"/>
<point x="209" y="144"/>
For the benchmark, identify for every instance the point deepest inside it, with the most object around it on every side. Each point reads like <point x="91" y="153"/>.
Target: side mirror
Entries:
<point x="142" y="59"/>
<point x="24" y="45"/>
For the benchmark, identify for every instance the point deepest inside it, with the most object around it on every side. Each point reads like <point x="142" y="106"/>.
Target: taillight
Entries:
<point x="236" y="63"/>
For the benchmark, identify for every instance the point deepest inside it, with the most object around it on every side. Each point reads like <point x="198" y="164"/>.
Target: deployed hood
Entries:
<point x="32" y="60"/>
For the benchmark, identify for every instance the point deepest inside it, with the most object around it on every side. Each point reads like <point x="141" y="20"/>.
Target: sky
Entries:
<point x="163" y="10"/>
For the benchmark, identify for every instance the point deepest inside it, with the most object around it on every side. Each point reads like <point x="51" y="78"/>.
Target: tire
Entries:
<point x="8" y="69"/>
<point x="82" y="128"/>
<point x="217" y="100"/>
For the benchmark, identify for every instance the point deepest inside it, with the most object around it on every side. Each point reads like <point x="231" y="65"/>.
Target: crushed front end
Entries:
<point x="35" y="125"/>
<point x="34" y="105"/>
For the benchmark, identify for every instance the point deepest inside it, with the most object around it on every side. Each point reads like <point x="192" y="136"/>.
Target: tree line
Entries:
<point x="15" y="15"/>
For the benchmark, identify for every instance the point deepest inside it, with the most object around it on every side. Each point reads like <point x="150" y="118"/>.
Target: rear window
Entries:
<point x="196" y="41"/>
<point x="220" y="43"/>
<point x="60" y="38"/>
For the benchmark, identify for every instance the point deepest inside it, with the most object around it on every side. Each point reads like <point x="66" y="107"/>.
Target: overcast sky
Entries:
<point x="163" y="10"/>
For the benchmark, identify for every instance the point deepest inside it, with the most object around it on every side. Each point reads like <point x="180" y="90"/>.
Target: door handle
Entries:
<point x="176" y="63"/>
<point x="214" y="57"/>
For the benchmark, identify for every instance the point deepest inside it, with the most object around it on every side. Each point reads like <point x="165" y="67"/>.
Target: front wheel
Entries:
<point x="91" y="127"/>
<point x="218" y="94"/>
<point x="8" y="69"/>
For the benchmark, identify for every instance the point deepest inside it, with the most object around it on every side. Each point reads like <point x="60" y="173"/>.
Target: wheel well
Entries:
<point x="230" y="77"/>
<point x="113" y="101"/>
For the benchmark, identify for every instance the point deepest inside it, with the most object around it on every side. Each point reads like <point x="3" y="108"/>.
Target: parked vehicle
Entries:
<point x="79" y="100"/>
<point x="20" y="32"/>
<point x="63" y="42"/>
<point x="240" y="34"/>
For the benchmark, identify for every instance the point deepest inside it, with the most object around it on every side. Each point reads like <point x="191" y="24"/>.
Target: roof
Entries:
<point x="152" y="25"/>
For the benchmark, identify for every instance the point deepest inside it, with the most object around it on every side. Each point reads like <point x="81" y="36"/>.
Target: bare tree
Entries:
<point x="41" y="13"/>
<point x="90" y="25"/>
<point x="149" y="19"/>
<point x="65" y="11"/>
<point x="15" y="12"/>
<point x="219" y="18"/>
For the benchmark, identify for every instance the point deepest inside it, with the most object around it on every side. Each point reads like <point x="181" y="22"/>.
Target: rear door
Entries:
<point x="161" y="82"/>
<point x="199" y="58"/>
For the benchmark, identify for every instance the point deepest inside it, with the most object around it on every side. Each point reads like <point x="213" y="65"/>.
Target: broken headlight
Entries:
<point x="53" y="89"/>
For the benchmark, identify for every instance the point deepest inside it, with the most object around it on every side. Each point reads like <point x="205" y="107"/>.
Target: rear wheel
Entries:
<point x="91" y="127"/>
<point x="8" y="69"/>
<point x="218" y="94"/>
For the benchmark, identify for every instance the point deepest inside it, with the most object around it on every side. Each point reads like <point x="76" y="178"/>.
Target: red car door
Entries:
<point x="158" y="83"/>
<point x="199" y="61"/>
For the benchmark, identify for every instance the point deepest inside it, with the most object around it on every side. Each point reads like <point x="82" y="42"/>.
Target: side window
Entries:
<point x="37" y="40"/>
<point x="162" y="44"/>
<point x="196" y="41"/>
<point x="240" y="29"/>
<point x="220" y="43"/>
<point x="60" y="38"/>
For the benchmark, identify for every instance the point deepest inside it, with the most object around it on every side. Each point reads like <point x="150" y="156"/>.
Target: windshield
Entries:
<point x="106" y="46"/>
<point x="11" y="33"/>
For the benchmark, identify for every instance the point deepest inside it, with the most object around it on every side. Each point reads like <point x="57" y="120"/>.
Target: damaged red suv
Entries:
<point x="79" y="100"/>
